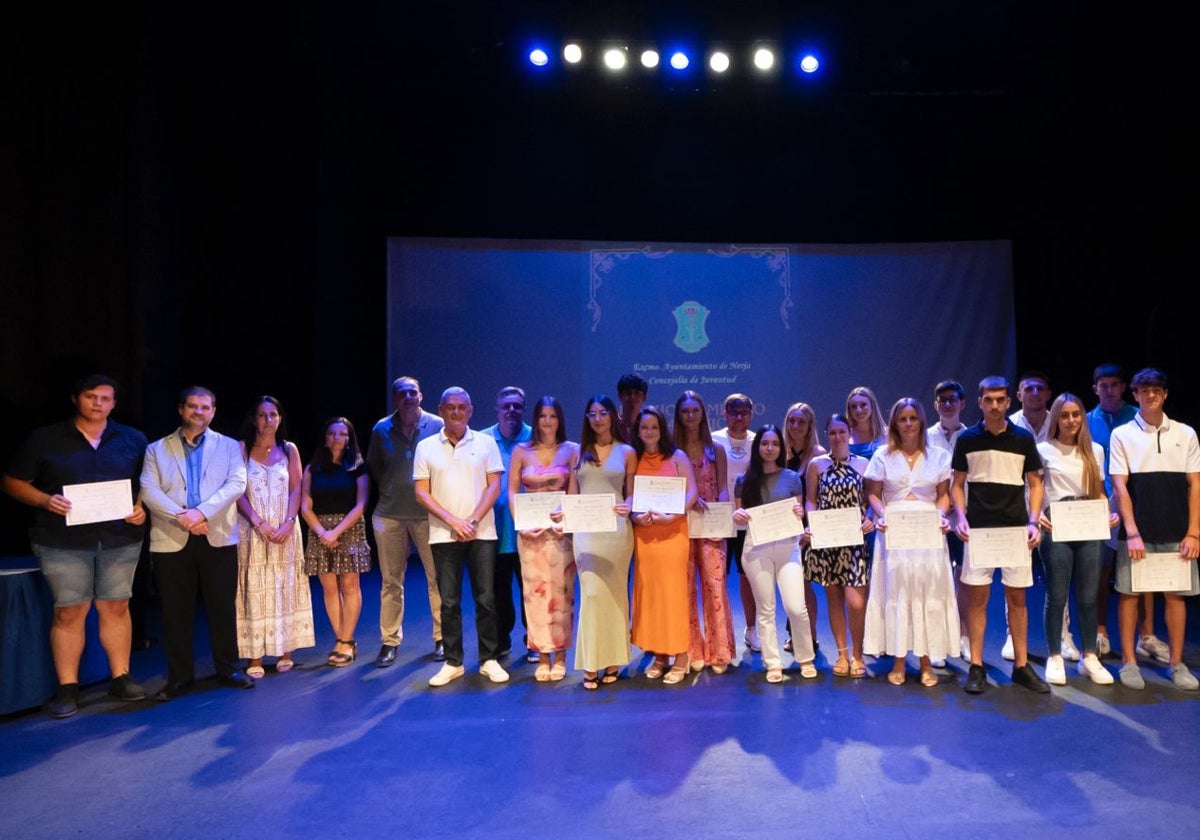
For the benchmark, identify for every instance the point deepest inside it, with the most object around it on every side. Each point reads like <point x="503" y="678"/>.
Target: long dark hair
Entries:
<point x="560" y="436"/>
<point x="587" y="438"/>
<point x="666" y="446"/>
<point x="248" y="433"/>
<point x="322" y="458"/>
<point x="753" y="480"/>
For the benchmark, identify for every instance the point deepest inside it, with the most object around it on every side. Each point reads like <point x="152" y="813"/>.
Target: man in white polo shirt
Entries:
<point x="456" y="474"/>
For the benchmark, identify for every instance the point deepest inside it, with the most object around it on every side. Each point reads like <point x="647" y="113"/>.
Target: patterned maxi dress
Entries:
<point x="547" y="569"/>
<point x="706" y="562"/>
<point x="274" y="601"/>
<point x="840" y="486"/>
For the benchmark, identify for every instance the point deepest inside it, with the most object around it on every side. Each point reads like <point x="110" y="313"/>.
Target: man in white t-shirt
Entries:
<point x="949" y="397"/>
<point x="736" y="440"/>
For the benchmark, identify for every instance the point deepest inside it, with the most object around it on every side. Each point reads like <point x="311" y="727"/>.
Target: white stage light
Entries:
<point x="650" y="59"/>
<point x="764" y="59"/>
<point x="614" y="59"/>
<point x="572" y="53"/>
<point x="719" y="62"/>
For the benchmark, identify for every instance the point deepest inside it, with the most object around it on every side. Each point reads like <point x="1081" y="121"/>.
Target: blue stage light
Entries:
<point x="679" y="60"/>
<point x="809" y="63"/>
<point x="538" y="57"/>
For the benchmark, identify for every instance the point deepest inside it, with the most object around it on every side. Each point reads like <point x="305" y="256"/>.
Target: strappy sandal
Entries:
<point x="775" y="675"/>
<point x="657" y="668"/>
<point x="858" y="668"/>
<point x="542" y="672"/>
<point x="558" y="670"/>
<point x="590" y="683"/>
<point x="841" y="668"/>
<point x="928" y="678"/>
<point x="897" y="677"/>
<point x="340" y="660"/>
<point x="675" y="675"/>
<point x="611" y="675"/>
<point x="808" y="670"/>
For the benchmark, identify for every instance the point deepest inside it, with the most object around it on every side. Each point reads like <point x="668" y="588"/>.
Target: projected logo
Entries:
<point x="689" y="326"/>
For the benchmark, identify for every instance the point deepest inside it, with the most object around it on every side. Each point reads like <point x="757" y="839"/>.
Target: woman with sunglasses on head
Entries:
<point x="605" y="465"/>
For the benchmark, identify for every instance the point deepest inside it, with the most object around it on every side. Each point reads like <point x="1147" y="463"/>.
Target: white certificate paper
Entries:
<point x="714" y="523"/>
<point x="1081" y="519"/>
<point x="913" y="529"/>
<point x="775" y="521"/>
<point x="589" y="513"/>
<point x="1161" y="572"/>
<point x="532" y="510"/>
<point x="99" y="501"/>
<point x="998" y="548"/>
<point x="659" y="493"/>
<point x="835" y="528"/>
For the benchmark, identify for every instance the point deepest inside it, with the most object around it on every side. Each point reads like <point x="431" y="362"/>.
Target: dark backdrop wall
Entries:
<point x="207" y="197"/>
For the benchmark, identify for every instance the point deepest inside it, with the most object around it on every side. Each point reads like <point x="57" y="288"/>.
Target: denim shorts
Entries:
<point x="79" y="576"/>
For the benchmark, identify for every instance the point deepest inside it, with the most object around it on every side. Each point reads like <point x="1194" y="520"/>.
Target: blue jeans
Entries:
<point x="1065" y="562"/>
<point x="82" y="575"/>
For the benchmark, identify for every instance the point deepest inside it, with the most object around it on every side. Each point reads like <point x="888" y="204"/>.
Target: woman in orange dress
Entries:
<point x="661" y="549"/>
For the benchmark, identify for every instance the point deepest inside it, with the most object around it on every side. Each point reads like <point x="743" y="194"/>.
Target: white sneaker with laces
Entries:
<point x="1103" y="648"/>
<point x="492" y="670"/>
<point x="1151" y="647"/>
<point x="1069" y="651"/>
<point x="1091" y="668"/>
<point x="751" y="638"/>
<point x="1007" y="650"/>
<point x="446" y="674"/>
<point x="1056" y="673"/>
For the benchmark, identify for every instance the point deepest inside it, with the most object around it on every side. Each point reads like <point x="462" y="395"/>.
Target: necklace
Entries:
<point x="911" y="459"/>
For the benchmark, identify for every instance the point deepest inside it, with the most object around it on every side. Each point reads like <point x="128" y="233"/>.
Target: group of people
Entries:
<point x="223" y="524"/>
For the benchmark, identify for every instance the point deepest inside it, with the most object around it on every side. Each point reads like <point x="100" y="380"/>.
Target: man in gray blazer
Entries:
<point x="191" y="481"/>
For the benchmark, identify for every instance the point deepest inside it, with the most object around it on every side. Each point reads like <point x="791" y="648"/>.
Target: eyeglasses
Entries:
<point x="739" y="412"/>
<point x="947" y="400"/>
<point x="596" y="415"/>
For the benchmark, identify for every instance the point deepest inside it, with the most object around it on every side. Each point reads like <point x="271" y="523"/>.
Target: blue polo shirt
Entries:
<point x="59" y="454"/>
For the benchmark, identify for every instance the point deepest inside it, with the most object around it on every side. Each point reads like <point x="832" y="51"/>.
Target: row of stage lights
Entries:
<point x="617" y="59"/>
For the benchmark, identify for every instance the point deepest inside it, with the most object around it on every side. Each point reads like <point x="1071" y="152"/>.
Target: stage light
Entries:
<point x="809" y="64"/>
<point x="538" y="57"/>
<point x="614" y="59"/>
<point x="649" y="59"/>
<point x="718" y="62"/>
<point x="572" y="53"/>
<point x="764" y="59"/>
<point x="679" y="60"/>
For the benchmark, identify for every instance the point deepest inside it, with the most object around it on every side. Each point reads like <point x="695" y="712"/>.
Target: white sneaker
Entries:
<point x="446" y="674"/>
<point x="751" y="637"/>
<point x="1091" y="668"/>
<point x="1069" y="651"/>
<point x="1151" y="647"/>
<point x="1007" y="650"/>
<point x="1056" y="673"/>
<point x="1183" y="678"/>
<point x="1103" y="648"/>
<point x="492" y="670"/>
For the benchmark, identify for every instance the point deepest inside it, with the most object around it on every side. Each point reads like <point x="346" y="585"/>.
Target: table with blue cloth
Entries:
<point x="27" y="676"/>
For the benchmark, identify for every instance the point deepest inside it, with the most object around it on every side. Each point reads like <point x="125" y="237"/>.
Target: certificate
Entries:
<point x="1161" y="572"/>
<point x="775" y="521"/>
<point x="713" y="523"/>
<point x="835" y="528"/>
<point x="913" y="529"/>
<point x="998" y="548"/>
<point x="589" y="513"/>
<point x="659" y="493"/>
<point x="532" y="510"/>
<point x="99" y="501"/>
<point x="1082" y="519"/>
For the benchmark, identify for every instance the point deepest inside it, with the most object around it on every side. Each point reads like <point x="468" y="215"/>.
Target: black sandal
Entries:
<point x="590" y="683"/>
<point x="611" y="675"/>
<point x="341" y="660"/>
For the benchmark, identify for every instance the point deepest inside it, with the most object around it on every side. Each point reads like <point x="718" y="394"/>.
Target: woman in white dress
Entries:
<point x="912" y="605"/>
<point x="274" y="601"/>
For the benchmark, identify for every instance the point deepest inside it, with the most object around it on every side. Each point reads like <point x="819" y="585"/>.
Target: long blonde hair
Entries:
<point x="1093" y="485"/>
<point x="805" y="450"/>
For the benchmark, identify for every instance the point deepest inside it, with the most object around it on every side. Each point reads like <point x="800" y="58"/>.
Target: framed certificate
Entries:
<point x="589" y="513"/>
<point x="661" y="493"/>
<point x="1161" y="572"/>
<point x="1080" y="519"/>
<point x="532" y="510"/>
<point x="99" y="501"/>
<point x="835" y="528"/>
<point x="712" y="523"/>
<point x="998" y="548"/>
<point x="775" y="521"/>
